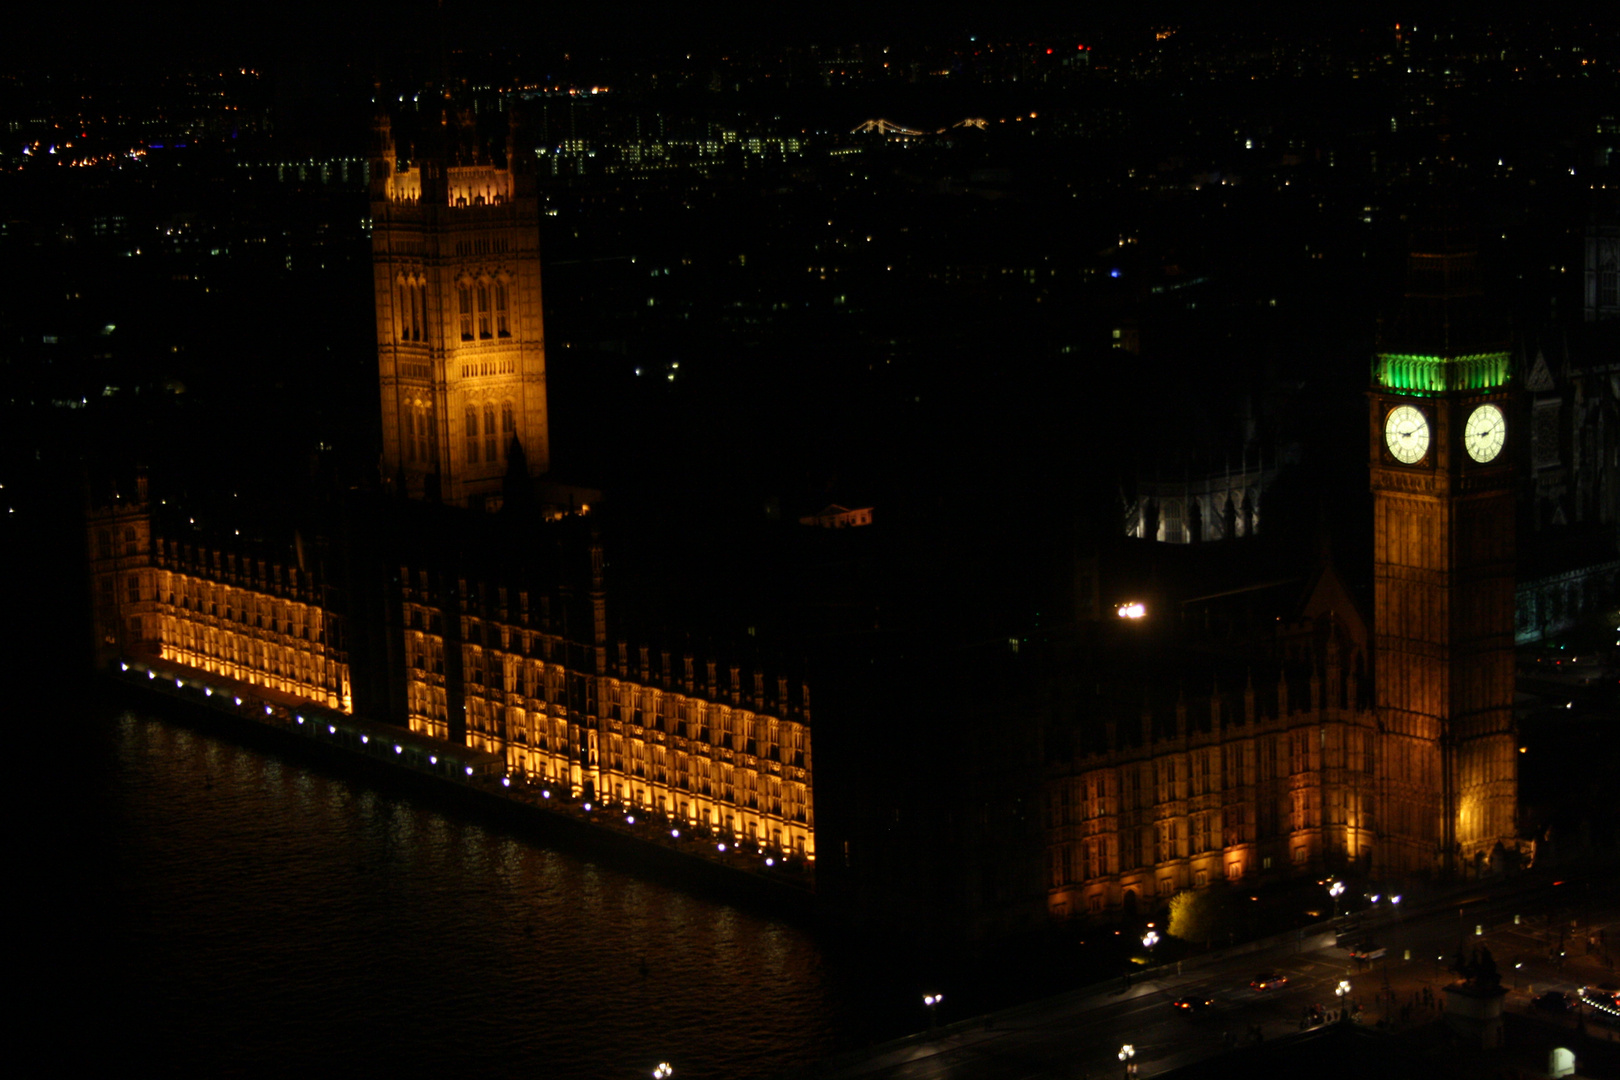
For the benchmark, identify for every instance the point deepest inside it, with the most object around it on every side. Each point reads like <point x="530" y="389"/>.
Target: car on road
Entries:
<point x="1268" y="980"/>
<point x="1195" y="1003"/>
<point x="1366" y="951"/>
<point x="1554" y="1001"/>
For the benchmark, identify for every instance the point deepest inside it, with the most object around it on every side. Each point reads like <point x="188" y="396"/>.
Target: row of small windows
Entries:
<point x="495" y="441"/>
<point x="104" y="542"/>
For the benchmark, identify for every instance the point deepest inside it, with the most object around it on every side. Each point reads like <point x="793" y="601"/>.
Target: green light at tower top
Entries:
<point x="1436" y="375"/>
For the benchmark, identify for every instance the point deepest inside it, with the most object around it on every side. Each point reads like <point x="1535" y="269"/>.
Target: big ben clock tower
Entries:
<point x="1442" y="436"/>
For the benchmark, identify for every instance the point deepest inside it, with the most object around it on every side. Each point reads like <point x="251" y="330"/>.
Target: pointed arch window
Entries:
<point x="464" y="298"/>
<point x="410" y="430"/>
<point x="508" y="427"/>
<point x="472" y="435"/>
<point x="482" y="291"/>
<point x="503" y="326"/>
<point x="491" y="451"/>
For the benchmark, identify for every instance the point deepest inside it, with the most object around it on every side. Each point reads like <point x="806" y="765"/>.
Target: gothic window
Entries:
<point x="472" y="435"/>
<point x="464" y="298"/>
<point x="490" y="451"/>
<point x="410" y="431"/>
<point x="132" y="545"/>
<point x="508" y="426"/>
<point x="483" y="310"/>
<point x="404" y="312"/>
<point x="133" y="588"/>
<point x="502" y="326"/>
<point x="421" y="307"/>
<point x="104" y="544"/>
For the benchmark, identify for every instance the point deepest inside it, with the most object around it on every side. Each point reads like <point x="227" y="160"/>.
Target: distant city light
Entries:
<point x="1134" y="610"/>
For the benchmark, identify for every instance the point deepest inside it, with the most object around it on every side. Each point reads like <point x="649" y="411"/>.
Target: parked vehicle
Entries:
<point x="1269" y="980"/>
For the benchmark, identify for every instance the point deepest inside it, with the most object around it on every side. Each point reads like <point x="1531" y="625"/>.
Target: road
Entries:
<point x="1079" y="1035"/>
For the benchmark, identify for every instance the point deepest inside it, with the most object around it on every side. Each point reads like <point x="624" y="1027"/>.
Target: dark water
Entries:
<point x="226" y="911"/>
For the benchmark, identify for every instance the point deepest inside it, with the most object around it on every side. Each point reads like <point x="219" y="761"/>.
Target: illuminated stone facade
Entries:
<point x="613" y="725"/>
<point x="461" y="346"/>
<point x="231" y="611"/>
<point x="1271" y="769"/>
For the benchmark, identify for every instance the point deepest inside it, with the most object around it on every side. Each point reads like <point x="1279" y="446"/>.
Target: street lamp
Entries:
<point x="663" y="1071"/>
<point x="1150" y="939"/>
<point x="932" y="1001"/>
<point x="1126" y="1053"/>
<point x="1341" y="991"/>
<point x="1336" y="890"/>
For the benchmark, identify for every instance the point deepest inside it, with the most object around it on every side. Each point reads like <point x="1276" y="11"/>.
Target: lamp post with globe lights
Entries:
<point x="1150" y="939"/>
<point x="1336" y="890"/>
<point x="932" y="1001"/>
<point x="663" y="1072"/>
<point x="1126" y="1053"/>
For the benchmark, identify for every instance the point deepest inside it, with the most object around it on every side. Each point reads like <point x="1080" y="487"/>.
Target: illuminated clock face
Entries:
<point x="1406" y="433"/>
<point x="1484" y="433"/>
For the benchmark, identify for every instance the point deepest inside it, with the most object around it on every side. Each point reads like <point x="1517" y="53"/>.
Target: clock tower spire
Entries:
<point x="1442" y="440"/>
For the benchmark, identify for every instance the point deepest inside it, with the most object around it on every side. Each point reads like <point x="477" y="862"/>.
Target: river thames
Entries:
<point x="231" y="911"/>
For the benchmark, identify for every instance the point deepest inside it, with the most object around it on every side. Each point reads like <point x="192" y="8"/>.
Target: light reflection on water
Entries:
<point x="267" y="916"/>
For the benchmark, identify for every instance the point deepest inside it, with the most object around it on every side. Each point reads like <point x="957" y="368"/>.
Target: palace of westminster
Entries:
<point x="1381" y="746"/>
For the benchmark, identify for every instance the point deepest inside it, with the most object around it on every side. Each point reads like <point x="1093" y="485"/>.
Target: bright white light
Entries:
<point x="545" y="794"/>
<point x="330" y="728"/>
<point x="506" y="781"/>
<point x="433" y="759"/>
<point x="469" y="770"/>
<point x="123" y="666"/>
<point x="365" y="738"/>
<point x="1127" y="1052"/>
<point x="676" y="833"/>
<point x="722" y="847"/>
<point x="587" y="807"/>
<point x="178" y="683"/>
<point x="770" y="862"/>
<point x="151" y="674"/>
<point x="1374" y="898"/>
<point x="1336" y="890"/>
<point x="209" y="690"/>
<point x="267" y="710"/>
<point x="239" y="701"/>
<point x="630" y="819"/>
<point x="1131" y="611"/>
